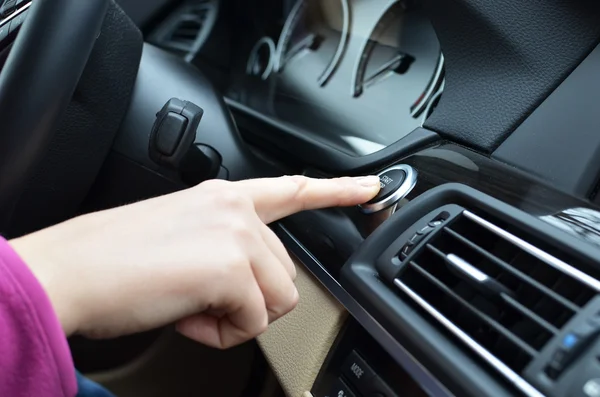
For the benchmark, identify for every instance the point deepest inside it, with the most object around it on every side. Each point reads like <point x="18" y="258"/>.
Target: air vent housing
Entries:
<point x="513" y="324"/>
<point x="483" y="293"/>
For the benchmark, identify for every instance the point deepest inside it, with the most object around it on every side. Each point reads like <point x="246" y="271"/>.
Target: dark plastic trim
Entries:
<point x="314" y="153"/>
<point x="560" y="141"/>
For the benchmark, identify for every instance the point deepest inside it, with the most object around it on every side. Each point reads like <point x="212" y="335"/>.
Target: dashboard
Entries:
<point x="478" y="273"/>
<point x="474" y="272"/>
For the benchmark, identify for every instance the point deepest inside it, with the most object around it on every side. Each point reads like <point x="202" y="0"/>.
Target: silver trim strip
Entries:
<point x="466" y="268"/>
<point x="337" y="58"/>
<point x="14" y="14"/>
<point x="433" y="90"/>
<point x="427" y="112"/>
<point x="403" y="190"/>
<point x="512" y="376"/>
<point x="420" y="374"/>
<point x="358" y="86"/>
<point x="535" y="251"/>
<point x="254" y="56"/>
<point x="285" y="32"/>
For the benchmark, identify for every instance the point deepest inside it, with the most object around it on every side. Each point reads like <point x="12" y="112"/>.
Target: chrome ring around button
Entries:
<point x="403" y="190"/>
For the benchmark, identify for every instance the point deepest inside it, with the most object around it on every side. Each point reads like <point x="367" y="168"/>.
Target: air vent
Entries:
<point x="186" y="32"/>
<point x="187" y="28"/>
<point x="503" y="297"/>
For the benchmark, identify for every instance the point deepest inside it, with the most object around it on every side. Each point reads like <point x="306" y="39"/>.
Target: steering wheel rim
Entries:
<point x="36" y="85"/>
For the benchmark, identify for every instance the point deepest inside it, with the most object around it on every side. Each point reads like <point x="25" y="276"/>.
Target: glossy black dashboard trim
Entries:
<point x="314" y="153"/>
<point x="420" y="374"/>
<point x="447" y="162"/>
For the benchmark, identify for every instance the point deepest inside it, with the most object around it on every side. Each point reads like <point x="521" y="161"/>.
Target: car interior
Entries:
<point x="474" y="272"/>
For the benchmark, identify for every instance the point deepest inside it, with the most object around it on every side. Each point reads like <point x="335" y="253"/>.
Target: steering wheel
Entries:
<point x="36" y="85"/>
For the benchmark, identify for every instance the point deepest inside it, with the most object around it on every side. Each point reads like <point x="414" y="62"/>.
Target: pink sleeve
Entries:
<point x="34" y="355"/>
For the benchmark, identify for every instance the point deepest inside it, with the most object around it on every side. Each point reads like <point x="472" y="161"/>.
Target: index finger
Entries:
<point x="276" y="198"/>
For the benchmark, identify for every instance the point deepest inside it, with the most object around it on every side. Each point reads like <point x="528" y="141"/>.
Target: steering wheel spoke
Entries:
<point x="37" y="82"/>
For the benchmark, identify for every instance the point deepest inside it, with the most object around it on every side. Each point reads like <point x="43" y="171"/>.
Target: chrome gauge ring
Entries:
<point x="262" y="68"/>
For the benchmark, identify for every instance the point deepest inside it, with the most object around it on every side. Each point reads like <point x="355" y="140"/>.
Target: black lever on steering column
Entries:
<point x="172" y="143"/>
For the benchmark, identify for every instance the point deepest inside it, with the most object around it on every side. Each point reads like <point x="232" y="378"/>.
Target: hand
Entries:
<point x="202" y="257"/>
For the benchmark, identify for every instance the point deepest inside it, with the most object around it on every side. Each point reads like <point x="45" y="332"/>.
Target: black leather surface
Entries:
<point x="560" y="141"/>
<point x="80" y="145"/>
<point x="503" y="58"/>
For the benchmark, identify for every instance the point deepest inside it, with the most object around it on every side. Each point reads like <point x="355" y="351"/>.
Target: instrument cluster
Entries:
<point x="356" y="74"/>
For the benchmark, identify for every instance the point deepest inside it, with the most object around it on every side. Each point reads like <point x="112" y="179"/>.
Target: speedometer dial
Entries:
<point x="320" y="27"/>
<point x="402" y="43"/>
<point x="381" y="55"/>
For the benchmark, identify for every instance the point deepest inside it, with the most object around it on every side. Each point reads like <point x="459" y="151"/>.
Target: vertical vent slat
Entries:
<point x="503" y="293"/>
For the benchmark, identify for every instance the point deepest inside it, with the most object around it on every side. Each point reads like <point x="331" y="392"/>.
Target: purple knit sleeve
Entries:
<point x="34" y="355"/>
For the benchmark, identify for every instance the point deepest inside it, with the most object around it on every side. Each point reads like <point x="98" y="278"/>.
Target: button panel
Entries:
<point x="357" y="371"/>
<point x="340" y="389"/>
<point x="357" y="364"/>
<point x="418" y="237"/>
<point x="363" y="378"/>
<point x="572" y="346"/>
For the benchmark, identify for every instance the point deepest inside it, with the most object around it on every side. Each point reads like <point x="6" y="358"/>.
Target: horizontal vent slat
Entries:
<point x="540" y="321"/>
<point x="485" y="318"/>
<point x="517" y="273"/>
<point x="535" y="252"/>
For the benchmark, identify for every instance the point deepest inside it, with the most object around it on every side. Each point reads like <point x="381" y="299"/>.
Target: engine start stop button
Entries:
<point x="389" y="182"/>
<point x="396" y="182"/>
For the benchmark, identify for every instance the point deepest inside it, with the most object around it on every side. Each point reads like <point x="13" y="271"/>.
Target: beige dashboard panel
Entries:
<point x="296" y="345"/>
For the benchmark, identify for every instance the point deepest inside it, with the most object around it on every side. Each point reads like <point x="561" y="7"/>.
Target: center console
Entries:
<point x="476" y="278"/>
<point x="358" y="366"/>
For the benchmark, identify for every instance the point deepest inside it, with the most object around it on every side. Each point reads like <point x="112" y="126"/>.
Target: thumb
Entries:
<point x="276" y="198"/>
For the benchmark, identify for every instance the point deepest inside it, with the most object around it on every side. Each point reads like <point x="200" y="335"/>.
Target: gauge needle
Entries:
<point x="388" y="67"/>
<point x="310" y="42"/>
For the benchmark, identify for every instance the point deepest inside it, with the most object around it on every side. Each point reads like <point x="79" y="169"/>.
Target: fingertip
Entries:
<point x="369" y="182"/>
<point x="368" y="188"/>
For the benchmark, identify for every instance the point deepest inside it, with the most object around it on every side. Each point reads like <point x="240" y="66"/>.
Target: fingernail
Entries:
<point x="368" y="181"/>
